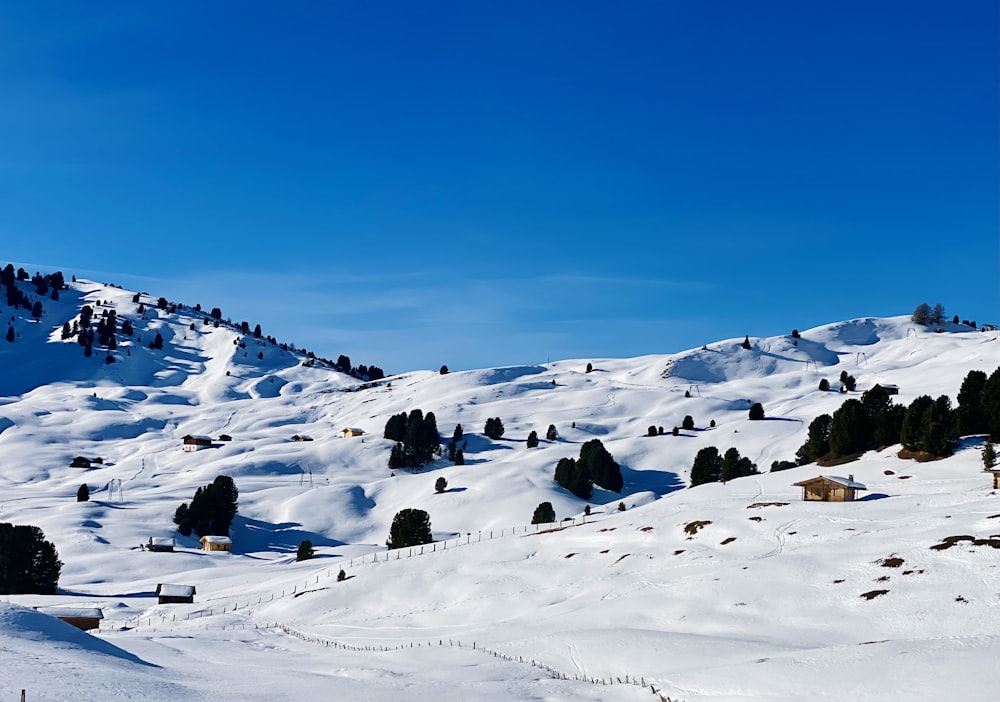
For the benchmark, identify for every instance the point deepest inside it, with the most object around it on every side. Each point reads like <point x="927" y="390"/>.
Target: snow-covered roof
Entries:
<point x="161" y="540"/>
<point x="73" y="612"/>
<point x="198" y="437"/>
<point x="354" y="430"/>
<point x="213" y="539"/>
<point x="846" y="482"/>
<point x="166" y="590"/>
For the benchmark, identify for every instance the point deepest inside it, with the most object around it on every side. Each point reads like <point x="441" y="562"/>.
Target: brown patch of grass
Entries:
<point x="889" y="472"/>
<point x="621" y="558"/>
<point x="730" y="540"/>
<point x="606" y="550"/>
<point x="918" y="456"/>
<point x="994" y="516"/>
<point x="961" y="599"/>
<point x="831" y="460"/>
<point x="882" y="579"/>
<point x="872" y="594"/>
<point x="756" y="519"/>
<point x="569" y="555"/>
<point x="693" y="528"/>
<point x="607" y="529"/>
<point x="646" y="529"/>
<point x="792" y="533"/>
<point x="755" y="505"/>
<point x="949" y="541"/>
<point x="893" y="561"/>
<point x="678" y="552"/>
<point x="905" y="477"/>
<point x="838" y="581"/>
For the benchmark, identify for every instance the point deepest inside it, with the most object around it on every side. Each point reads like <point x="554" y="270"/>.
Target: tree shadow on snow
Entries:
<point x="661" y="482"/>
<point x="251" y="535"/>
<point x="873" y="496"/>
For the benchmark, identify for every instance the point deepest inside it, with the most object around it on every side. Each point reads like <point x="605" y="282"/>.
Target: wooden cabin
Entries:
<point x="83" y="618"/>
<point x="80" y="462"/>
<point x="302" y="437"/>
<point x="211" y="542"/>
<point x="890" y="388"/>
<point x="996" y="479"/>
<point x="830" y="488"/>
<point x="196" y="442"/>
<point x="352" y="431"/>
<point x="175" y="594"/>
<point x="161" y="544"/>
<point x="225" y="437"/>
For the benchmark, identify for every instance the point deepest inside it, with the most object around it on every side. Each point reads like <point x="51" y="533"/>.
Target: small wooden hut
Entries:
<point x="84" y="618"/>
<point x="996" y="479"/>
<point x="175" y="594"/>
<point x="164" y="544"/>
<point x="830" y="488"/>
<point x="211" y="542"/>
<point x="80" y="462"/>
<point x="352" y="431"/>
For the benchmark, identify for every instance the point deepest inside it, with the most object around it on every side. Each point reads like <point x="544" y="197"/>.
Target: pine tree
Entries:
<point x="818" y="443"/>
<point x="494" y="428"/>
<point x="688" y="423"/>
<point x="305" y="551"/>
<point x="341" y="576"/>
<point x="551" y="434"/>
<point x="457" y="434"/>
<point x="459" y="458"/>
<point x="544" y="514"/>
<point x="532" y="441"/>
<point x="601" y="466"/>
<point x="707" y="466"/>
<point x="746" y="343"/>
<point x="440" y="485"/>
<point x="29" y="564"/>
<point x="824" y="385"/>
<point x="922" y="314"/>
<point x="10" y="334"/>
<point x="849" y="431"/>
<point x="969" y="416"/>
<point x="756" y="411"/>
<point x="83" y="494"/>
<point x="410" y="527"/>
<point x="573" y="476"/>
<point x="989" y="456"/>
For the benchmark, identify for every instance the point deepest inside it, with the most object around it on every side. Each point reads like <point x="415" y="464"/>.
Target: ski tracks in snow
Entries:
<point x="779" y="537"/>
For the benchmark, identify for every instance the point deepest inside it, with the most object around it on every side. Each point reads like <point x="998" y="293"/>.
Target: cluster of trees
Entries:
<point x="929" y="426"/>
<point x="15" y="297"/>
<point x="924" y="314"/>
<point x="494" y="428"/>
<point x="29" y="565"/>
<point x="211" y="511"/>
<point x="544" y="514"/>
<point x="417" y="439"/>
<point x="710" y="466"/>
<point x="410" y="527"/>
<point x="595" y="466"/>
<point x="361" y="372"/>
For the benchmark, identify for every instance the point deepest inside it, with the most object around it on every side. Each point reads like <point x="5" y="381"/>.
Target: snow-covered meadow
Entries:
<point x="763" y="601"/>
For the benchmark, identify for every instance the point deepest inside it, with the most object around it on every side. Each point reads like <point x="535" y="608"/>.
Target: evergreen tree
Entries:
<point x="824" y="385"/>
<point x="544" y="514"/>
<point x="440" y="485"/>
<point x="127" y="328"/>
<point x="10" y="334"/>
<point x="573" y="476"/>
<point x="756" y="411"/>
<point x="396" y="457"/>
<point x="922" y="314"/>
<point x="688" y="423"/>
<point x="182" y="519"/>
<point x="157" y="342"/>
<point x="730" y="461"/>
<point x="410" y="527"/>
<point x="911" y="433"/>
<point x="457" y="434"/>
<point x="989" y="400"/>
<point x="257" y="333"/>
<point x="551" y="434"/>
<point x="818" y="443"/>
<point x="651" y="431"/>
<point x="341" y="576"/>
<point x="707" y="466"/>
<point x="29" y="564"/>
<point x="36" y="310"/>
<point x="746" y="343"/>
<point x="494" y="428"/>
<point x="212" y="509"/>
<point x="395" y="427"/>
<point x="590" y="368"/>
<point x="601" y="466"/>
<point x="989" y="456"/>
<point x="443" y="370"/>
<point x="66" y="332"/>
<point x="459" y="458"/>
<point x="849" y="432"/>
<point x="936" y="428"/>
<point x="305" y="551"/>
<point x="83" y="494"/>
<point x="969" y="416"/>
<point x="532" y="439"/>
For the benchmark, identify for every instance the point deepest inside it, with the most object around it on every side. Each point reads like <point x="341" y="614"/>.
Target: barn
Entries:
<point x="175" y="594"/>
<point x="84" y="618"/>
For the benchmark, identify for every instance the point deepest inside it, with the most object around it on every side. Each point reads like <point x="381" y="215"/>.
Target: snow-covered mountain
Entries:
<point x="764" y="600"/>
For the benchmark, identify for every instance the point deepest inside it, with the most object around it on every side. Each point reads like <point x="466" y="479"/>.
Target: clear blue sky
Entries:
<point x="493" y="183"/>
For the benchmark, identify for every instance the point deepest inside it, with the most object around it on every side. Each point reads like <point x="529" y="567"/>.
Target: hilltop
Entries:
<point x="762" y="600"/>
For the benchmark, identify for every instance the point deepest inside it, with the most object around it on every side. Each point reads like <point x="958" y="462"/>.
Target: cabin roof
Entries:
<point x="846" y="482"/>
<point x="72" y="612"/>
<point x="197" y="437"/>
<point x="167" y="590"/>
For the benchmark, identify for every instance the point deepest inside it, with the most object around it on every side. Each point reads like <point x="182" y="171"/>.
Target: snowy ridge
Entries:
<point x="764" y="599"/>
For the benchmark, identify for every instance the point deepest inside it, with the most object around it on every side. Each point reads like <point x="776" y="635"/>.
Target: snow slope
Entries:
<point x="761" y="602"/>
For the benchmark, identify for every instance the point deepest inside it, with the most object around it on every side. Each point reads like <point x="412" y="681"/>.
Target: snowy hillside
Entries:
<point x="764" y="600"/>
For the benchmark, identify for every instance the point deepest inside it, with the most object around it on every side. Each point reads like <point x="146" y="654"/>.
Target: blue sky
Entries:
<point x="491" y="183"/>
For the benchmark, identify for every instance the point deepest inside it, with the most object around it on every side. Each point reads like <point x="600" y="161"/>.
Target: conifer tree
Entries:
<point x="544" y="514"/>
<point x="410" y="527"/>
<point x="83" y="494"/>
<point x="707" y="466"/>
<point x="305" y="551"/>
<point x="532" y="441"/>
